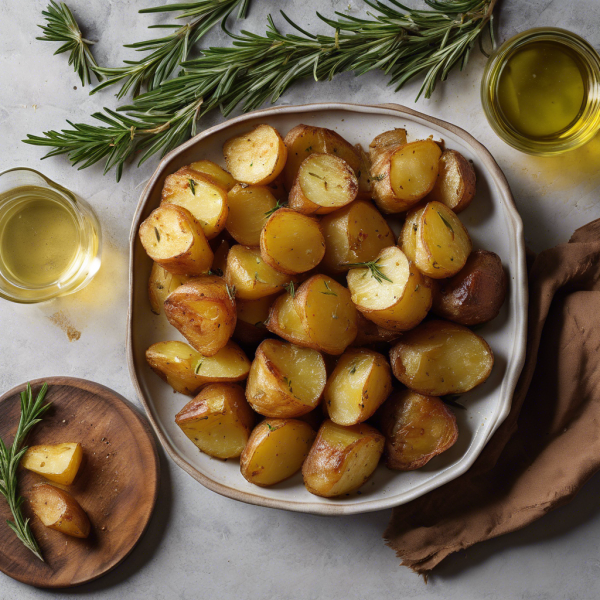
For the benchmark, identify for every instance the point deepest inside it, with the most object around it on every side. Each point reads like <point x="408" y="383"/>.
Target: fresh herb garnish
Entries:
<point x="230" y="291"/>
<point x="291" y="290"/>
<point x="353" y="370"/>
<point x="217" y="271"/>
<point x="192" y="186"/>
<point x="271" y="428"/>
<point x="157" y="234"/>
<point x="446" y="222"/>
<point x="277" y="206"/>
<point x="315" y="175"/>
<point x="379" y="177"/>
<point x="288" y="382"/>
<point x="329" y="291"/>
<point x="198" y="367"/>
<point x="374" y="267"/>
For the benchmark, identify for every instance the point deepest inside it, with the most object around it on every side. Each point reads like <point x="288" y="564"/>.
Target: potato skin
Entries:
<point x="456" y="183"/>
<point x="160" y="284"/>
<point x="475" y="294"/>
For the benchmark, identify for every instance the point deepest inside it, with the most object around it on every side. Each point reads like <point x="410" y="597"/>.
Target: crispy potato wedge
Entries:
<point x="358" y="386"/>
<point x="285" y="322"/>
<point x="58" y="510"/>
<point x="56" y="462"/>
<point x="475" y="294"/>
<point x="249" y="209"/>
<point x="285" y="380"/>
<point x="370" y="333"/>
<point x="160" y="284"/>
<point x="203" y="311"/>
<point x="324" y="183"/>
<point x="219" y="175"/>
<point x="201" y="195"/>
<point x="455" y="185"/>
<point x="416" y="428"/>
<point x="251" y="320"/>
<point x="174" y="239"/>
<point x="276" y="450"/>
<point x="218" y="420"/>
<point x="291" y="242"/>
<point x="341" y="458"/>
<point x="256" y="157"/>
<point x="187" y="371"/>
<point x="364" y="174"/>
<point x="439" y="358"/>
<point x="393" y="293"/>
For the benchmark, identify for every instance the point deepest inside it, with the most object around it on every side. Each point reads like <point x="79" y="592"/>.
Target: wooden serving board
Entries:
<point x="117" y="482"/>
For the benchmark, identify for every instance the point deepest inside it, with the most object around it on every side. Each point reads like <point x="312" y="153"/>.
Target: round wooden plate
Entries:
<point x="117" y="483"/>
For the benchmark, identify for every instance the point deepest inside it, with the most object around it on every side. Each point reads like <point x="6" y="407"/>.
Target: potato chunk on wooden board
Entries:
<point x="391" y="292"/>
<point x="341" y="459"/>
<point x="455" y="185"/>
<point x="324" y="183"/>
<point x="58" y="510"/>
<point x="219" y="175"/>
<point x="285" y="322"/>
<point x="204" y="198"/>
<point x="416" y="428"/>
<point x="174" y="239"/>
<point x="285" y="380"/>
<point x="56" y="462"/>
<point x="160" y="284"/>
<point x="439" y="358"/>
<point x="256" y="157"/>
<point x="276" y="450"/>
<point x="218" y="420"/>
<point x="203" y="311"/>
<point x="291" y="242"/>
<point x="358" y="386"/>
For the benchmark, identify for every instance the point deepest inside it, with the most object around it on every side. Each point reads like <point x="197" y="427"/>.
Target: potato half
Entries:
<point x="160" y="284"/>
<point x="56" y="462"/>
<point x="358" y="386"/>
<point x="276" y="450"/>
<point x="439" y="358"/>
<point x="203" y="311"/>
<point x="341" y="459"/>
<point x="257" y="156"/>
<point x="58" y="510"/>
<point x="218" y="420"/>
<point x="416" y="428"/>
<point x="455" y="185"/>
<point x="392" y="292"/>
<point x="371" y="333"/>
<point x="251" y="320"/>
<point x="219" y="175"/>
<point x="174" y="239"/>
<point x="285" y="380"/>
<point x="249" y="209"/>
<point x="363" y="174"/>
<point x="285" y="322"/>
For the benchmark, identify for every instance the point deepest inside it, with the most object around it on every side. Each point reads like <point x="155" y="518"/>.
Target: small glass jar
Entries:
<point x="581" y="130"/>
<point x="80" y="261"/>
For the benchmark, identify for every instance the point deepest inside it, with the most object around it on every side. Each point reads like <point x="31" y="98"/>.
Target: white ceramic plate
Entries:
<point x="493" y="223"/>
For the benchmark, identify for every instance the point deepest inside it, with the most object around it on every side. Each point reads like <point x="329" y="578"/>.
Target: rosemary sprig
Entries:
<point x="277" y="206"/>
<point x="31" y="413"/>
<point x="61" y="26"/>
<point x="290" y="289"/>
<point x="373" y="266"/>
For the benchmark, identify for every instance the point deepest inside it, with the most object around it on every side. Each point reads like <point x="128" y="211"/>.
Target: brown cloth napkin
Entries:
<point x="549" y="445"/>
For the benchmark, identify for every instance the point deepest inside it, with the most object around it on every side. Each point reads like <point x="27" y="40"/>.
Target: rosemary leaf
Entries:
<point x="373" y="266"/>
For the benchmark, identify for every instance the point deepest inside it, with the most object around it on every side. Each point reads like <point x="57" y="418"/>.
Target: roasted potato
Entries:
<point x="277" y="188"/>
<point x="257" y="156"/>
<point x="285" y="380"/>
<point x="204" y="198"/>
<point x="324" y="183"/>
<point x="219" y="265"/>
<point x="341" y="458"/>
<point x="363" y="174"/>
<point x="416" y="428"/>
<point x="56" y="462"/>
<point x="251" y="320"/>
<point x="455" y="185"/>
<point x="391" y="292"/>
<point x="187" y="371"/>
<point x="218" y="420"/>
<point x="475" y="294"/>
<point x="276" y="450"/>
<point x="388" y="141"/>
<point x="160" y="284"/>
<point x="371" y="333"/>
<point x="58" y="510"/>
<point x="249" y="209"/>
<point x="285" y="322"/>
<point x="439" y="358"/>
<point x="219" y="175"/>
<point x="358" y="386"/>
<point x="291" y="242"/>
<point x="203" y="311"/>
<point x="354" y="234"/>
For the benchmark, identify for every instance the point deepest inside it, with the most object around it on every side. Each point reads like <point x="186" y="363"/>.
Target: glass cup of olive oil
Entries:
<point x="541" y="91"/>
<point x="50" y="240"/>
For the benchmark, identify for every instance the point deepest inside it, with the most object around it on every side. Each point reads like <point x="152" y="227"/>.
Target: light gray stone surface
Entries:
<point x="199" y="544"/>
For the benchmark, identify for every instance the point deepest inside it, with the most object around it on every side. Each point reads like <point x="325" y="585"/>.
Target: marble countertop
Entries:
<point x="200" y="545"/>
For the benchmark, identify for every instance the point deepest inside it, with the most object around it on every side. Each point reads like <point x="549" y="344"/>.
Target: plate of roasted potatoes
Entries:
<point x="327" y="305"/>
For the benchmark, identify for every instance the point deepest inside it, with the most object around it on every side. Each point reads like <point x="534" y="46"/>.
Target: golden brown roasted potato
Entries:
<point x="56" y="462"/>
<point x="391" y="292"/>
<point x="252" y="277"/>
<point x="385" y="142"/>
<point x="408" y="236"/>
<point x="285" y="322"/>
<point x="256" y="157"/>
<point x="204" y="198"/>
<point x="291" y="242"/>
<point x="285" y="380"/>
<point x="324" y="183"/>
<point x="439" y="358"/>
<point x="251" y="320"/>
<point x="174" y="239"/>
<point x="187" y="371"/>
<point x="371" y="333"/>
<point x="218" y="420"/>
<point x="276" y="450"/>
<point x="58" y="510"/>
<point x="277" y="188"/>
<point x="354" y="234"/>
<point x="416" y="428"/>
<point x="341" y="459"/>
<point x="455" y="185"/>
<point x="475" y="294"/>
<point x="364" y="174"/>
<point x="358" y="386"/>
<point x="220" y="260"/>
<point x="160" y="284"/>
<point x="203" y="311"/>
<point x="219" y="175"/>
